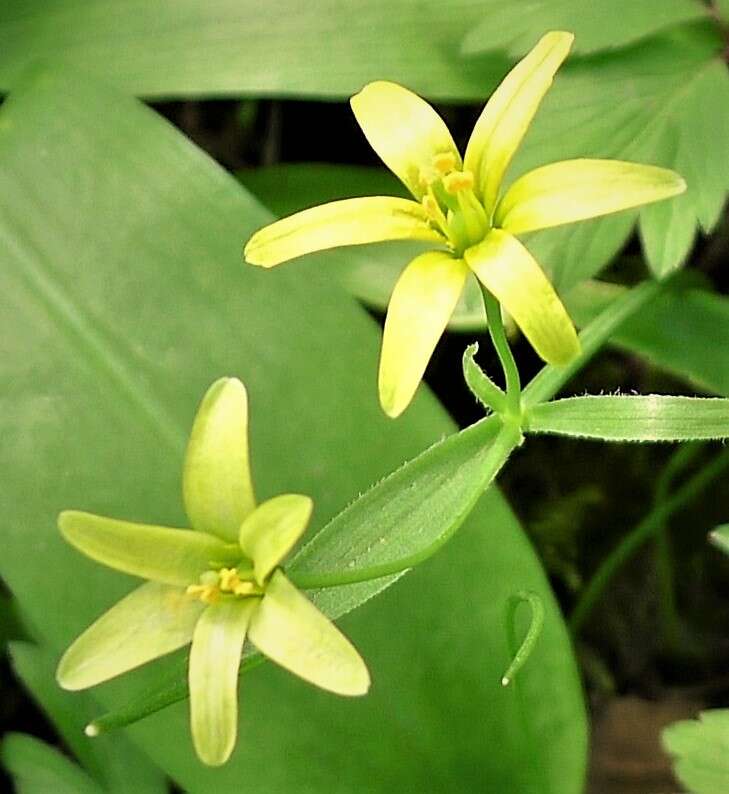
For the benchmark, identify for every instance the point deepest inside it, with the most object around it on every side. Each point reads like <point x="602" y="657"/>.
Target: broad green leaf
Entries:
<point x="723" y="7"/>
<point x="215" y="654"/>
<point x="37" y="767"/>
<point x="113" y="761"/>
<point x="216" y="482"/>
<point x="271" y="531"/>
<point x="153" y="620"/>
<point x="597" y="25"/>
<point x="163" y="554"/>
<point x="289" y="629"/>
<point x="330" y="48"/>
<point x="720" y="537"/>
<point x="642" y="104"/>
<point x="125" y="299"/>
<point x="699" y="748"/>
<point x="651" y="417"/>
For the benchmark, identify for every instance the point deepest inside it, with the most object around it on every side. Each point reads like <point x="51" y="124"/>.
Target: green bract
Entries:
<point x="460" y="206"/>
<point x="213" y="586"/>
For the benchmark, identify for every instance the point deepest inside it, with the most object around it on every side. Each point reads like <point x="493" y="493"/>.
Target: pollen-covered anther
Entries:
<point x="458" y="181"/>
<point x="229" y="579"/>
<point x="245" y="588"/>
<point x="444" y="163"/>
<point x="430" y="205"/>
<point x="207" y="593"/>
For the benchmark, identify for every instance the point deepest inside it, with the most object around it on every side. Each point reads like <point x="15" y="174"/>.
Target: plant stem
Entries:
<point x="640" y="534"/>
<point x="551" y="379"/>
<point x="506" y="357"/>
<point x="508" y="438"/>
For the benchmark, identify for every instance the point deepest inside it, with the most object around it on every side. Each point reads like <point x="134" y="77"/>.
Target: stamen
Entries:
<point x="229" y="579"/>
<point x="245" y="588"/>
<point x="427" y="176"/>
<point x="458" y="181"/>
<point x="444" y="163"/>
<point x="207" y="593"/>
<point x="434" y="211"/>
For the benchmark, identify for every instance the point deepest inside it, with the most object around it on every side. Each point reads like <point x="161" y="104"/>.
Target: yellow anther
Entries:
<point x="229" y="579"/>
<point x="458" y="181"/>
<point x="430" y="205"/>
<point x="207" y="593"/>
<point x="444" y="163"/>
<point x="427" y="176"/>
<point x="245" y="588"/>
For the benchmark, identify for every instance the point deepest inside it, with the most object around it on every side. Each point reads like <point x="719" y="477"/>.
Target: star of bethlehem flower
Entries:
<point x="214" y="585"/>
<point x="461" y="207"/>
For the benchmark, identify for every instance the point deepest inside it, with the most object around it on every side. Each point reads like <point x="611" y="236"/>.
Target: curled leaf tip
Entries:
<point x="524" y="651"/>
<point x="92" y="730"/>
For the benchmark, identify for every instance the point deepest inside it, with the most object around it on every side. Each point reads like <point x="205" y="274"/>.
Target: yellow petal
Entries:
<point x="213" y="677"/>
<point x="404" y="130"/>
<point x="348" y="222"/>
<point x="292" y="632"/>
<point x="574" y="190"/>
<point x="151" y="621"/>
<point x="422" y="302"/>
<point x="270" y="531"/>
<point x="509" y="271"/>
<point x="509" y="112"/>
<point x="216" y="481"/>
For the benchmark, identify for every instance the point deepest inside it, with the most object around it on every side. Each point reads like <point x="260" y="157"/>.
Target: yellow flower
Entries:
<point x="215" y="585"/>
<point x="460" y="206"/>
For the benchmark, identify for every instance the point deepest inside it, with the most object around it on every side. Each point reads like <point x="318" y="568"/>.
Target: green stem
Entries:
<point x="646" y="529"/>
<point x="501" y="343"/>
<point x="669" y="617"/>
<point x="508" y="438"/>
<point x="551" y="379"/>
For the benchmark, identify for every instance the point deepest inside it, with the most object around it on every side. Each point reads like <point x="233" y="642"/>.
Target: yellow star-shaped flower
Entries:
<point x="215" y="585"/>
<point x="460" y="206"/>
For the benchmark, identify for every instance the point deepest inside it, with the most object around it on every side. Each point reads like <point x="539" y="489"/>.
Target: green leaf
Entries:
<point x="125" y="298"/>
<point x="642" y="104"/>
<point x="330" y="48"/>
<point x="635" y="418"/>
<point x="699" y="748"/>
<point x="37" y="767"/>
<point x="597" y="25"/>
<point x="113" y="761"/>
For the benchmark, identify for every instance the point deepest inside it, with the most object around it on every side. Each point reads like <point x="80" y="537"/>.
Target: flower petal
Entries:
<point x="216" y="481"/>
<point x="353" y="221"/>
<point x="213" y="677"/>
<point x="151" y="621"/>
<point x="270" y="531"/>
<point x="508" y="113"/>
<point x="404" y="130"/>
<point x="573" y="190"/>
<point x="505" y="267"/>
<point x="422" y="302"/>
<point x="171" y="556"/>
<point x="292" y="632"/>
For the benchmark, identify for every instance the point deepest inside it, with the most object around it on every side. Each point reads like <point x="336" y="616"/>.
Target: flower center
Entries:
<point x="227" y="581"/>
<point x="451" y="204"/>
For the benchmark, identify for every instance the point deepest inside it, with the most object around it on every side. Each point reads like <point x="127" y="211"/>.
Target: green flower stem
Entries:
<point x="551" y="379"/>
<point x="669" y="618"/>
<point x="501" y="343"/>
<point x="645" y="530"/>
<point x="508" y="438"/>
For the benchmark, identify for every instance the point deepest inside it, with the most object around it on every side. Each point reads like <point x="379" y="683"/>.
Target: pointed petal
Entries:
<point x="505" y="267"/>
<point x="509" y="112"/>
<point x="216" y="481"/>
<point x="151" y="621"/>
<point x="574" y="190"/>
<point x="353" y="221"/>
<point x="292" y="632"/>
<point x="270" y="531"/>
<point x="213" y="677"/>
<point x="403" y="129"/>
<point x="422" y="302"/>
<point x="171" y="556"/>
